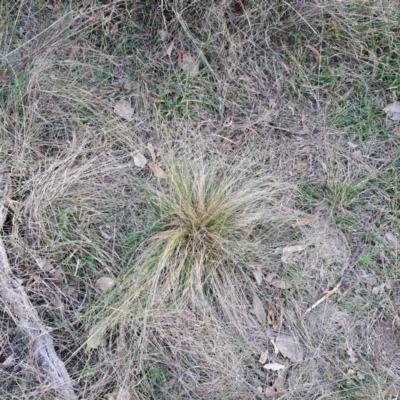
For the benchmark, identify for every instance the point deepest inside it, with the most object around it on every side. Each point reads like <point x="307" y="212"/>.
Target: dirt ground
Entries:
<point x="199" y="199"/>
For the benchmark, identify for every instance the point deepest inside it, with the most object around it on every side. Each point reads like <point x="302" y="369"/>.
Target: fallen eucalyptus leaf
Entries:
<point x="274" y="366"/>
<point x="57" y="276"/>
<point x="70" y="291"/>
<point x="163" y="34"/>
<point x="289" y="347"/>
<point x="393" y="111"/>
<point x="352" y="355"/>
<point x="259" y="310"/>
<point x="270" y="391"/>
<point x="152" y="152"/>
<point x="377" y="290"/>
<point x="104" y="284"/>
<point x="270" y="277"/>
<point x="140" y="160"/>
<point x="352" y="145"/>
<point x="123" y="109"/>
<point x="95" y="340"/>
<point x="258" y="275"/>
<point x="315" y="52"/>
<point x="279" y="384"/>
<point x="288" y="250"/>
<point x="271" y="318"/>
<point x="44" y="265"/>
<point x="264" y="357"/>
<point x="306" y="221"/>
<point x="281" y="284"/>
<point x="390" y="236"/>
<point x="190" y="64"/>
<point x="127" y="87"/>
<point x="157" y="171"/>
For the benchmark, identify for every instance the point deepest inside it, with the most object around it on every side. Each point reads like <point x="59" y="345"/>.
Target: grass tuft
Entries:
<point x="201" y="235"/>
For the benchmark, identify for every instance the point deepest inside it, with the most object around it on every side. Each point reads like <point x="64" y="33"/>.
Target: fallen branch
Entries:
<point x="25" y="315"/>
<point x="343" y="280"/>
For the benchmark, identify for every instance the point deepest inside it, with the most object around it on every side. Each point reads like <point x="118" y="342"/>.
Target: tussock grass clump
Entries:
<point x="210" y="221"/>
<point x="206" y="216"/>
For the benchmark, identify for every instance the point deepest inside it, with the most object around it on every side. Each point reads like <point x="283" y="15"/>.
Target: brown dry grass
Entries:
<point x="260" y="100"/>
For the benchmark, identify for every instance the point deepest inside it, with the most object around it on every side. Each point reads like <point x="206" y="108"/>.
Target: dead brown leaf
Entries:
<point x="303" y="222"/>
<point x="289" y="347"/>
<point x="156" y="101"/>
<point x="287" y="66"/>
<point x="397" y="132"/>
<point x="152" y="152"/>
<point x="271" y="317"/>
<point x="259" y="310"/>
<point x="180" y="55"/>
<point x="157" y="171"/>
<point x="315" y="52"/>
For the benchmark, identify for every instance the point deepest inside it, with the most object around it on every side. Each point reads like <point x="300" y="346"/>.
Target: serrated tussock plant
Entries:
<point x="209" y="220"/>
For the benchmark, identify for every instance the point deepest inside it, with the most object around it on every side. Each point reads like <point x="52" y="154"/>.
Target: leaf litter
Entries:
<point x="289" y="347"/>
<point x="157" y="171"/>
<point x="304" y="222"/>
<point x="104" y="284"/>
<point x="190" y="64"/>
<point x="140" y="160"/>
<point x="259" y="310"/>
<point x="274" y="366"/>
<point x="393" y="111"/>
<point x="289" y="250"/>
<point x="274" y="280"/>
<point x="124" y="109"/>
<point x="270" y="391"/>
<point x="264" y="357"/>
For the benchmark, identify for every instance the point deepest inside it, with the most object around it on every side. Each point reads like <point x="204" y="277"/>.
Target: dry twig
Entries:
<point x="22" y="311"/>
